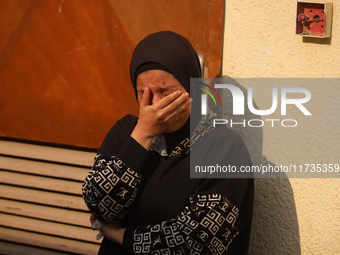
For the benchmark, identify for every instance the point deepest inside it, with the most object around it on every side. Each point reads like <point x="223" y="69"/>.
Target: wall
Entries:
<point x="295" y="215"/>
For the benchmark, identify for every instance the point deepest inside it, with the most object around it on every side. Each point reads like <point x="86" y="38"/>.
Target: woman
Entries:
<point x="140" y="187"/>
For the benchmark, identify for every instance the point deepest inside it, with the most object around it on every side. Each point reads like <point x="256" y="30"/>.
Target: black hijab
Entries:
<point x="167" y="51"/>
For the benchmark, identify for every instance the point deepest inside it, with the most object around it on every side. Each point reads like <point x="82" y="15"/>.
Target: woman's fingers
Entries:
<point x="164" y="102"/>
<point x="145" y="101"/>
<point x="177" y="106"/>
<point x="92" y="219"/>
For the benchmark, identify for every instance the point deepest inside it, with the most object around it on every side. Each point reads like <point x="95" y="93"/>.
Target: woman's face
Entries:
<point x="161" y="84"/>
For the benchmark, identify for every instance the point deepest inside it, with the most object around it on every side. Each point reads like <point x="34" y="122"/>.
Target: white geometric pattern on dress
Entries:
<point x="206" y="226"/>
<point x="110" y="188"/>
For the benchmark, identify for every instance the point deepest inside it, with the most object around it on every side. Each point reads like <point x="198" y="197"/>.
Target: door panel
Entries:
<point x="64" y="65"/>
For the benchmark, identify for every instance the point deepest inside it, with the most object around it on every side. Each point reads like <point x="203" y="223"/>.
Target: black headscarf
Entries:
<point x="167" y="51"/>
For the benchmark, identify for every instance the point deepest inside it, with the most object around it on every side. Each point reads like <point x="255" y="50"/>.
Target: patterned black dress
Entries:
<point x="164" y="210"/>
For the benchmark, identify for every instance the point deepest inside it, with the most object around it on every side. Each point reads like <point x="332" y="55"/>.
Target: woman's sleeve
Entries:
<point x="110" y="188"/>
<point x="206" y="226"/>
<point x="113" y="182"/>
<point x="217" y="212"/>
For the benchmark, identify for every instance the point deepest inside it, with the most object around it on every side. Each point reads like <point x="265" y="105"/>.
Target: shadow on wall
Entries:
<point x="275" y="228"/>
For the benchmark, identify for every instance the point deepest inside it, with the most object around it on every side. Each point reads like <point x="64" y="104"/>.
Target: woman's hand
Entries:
<point x="113" y="231"/>
<point x="154" y="119"/>
<point x="92" y="220"/>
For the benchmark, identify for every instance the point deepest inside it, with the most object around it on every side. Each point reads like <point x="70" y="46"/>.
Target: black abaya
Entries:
<point x="164" y="210"/>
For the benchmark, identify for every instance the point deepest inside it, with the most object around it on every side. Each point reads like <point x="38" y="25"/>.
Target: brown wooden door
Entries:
<point x="64" y="65"/>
